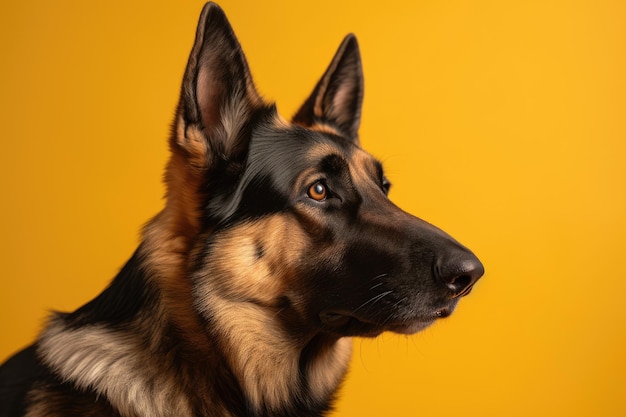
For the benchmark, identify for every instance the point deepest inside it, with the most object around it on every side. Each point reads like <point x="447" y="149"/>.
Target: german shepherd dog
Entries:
<point x="277" y="243"/>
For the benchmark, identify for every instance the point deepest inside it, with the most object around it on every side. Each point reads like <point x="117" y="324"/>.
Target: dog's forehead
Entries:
<point x="288" y="151"/>
<point x="362" y="165"/>
<point x="336" y="143"/>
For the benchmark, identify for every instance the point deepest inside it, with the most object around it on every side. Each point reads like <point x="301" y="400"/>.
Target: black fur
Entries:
<point x="16" y="378"/>
<point x="128" y="294"/>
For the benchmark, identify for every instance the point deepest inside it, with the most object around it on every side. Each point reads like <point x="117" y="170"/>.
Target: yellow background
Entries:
<point x="500" y="121"/>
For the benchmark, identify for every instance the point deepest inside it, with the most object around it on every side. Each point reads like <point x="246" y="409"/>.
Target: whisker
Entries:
<point x="400" y="301"/>
<point x="373" y="300"/>
<point x="379" y="276"/>
<point x="388" y="318"/>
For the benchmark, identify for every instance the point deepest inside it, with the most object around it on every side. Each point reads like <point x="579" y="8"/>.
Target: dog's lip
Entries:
<point x="347" y="324"/>
<point x="363" y="326"/>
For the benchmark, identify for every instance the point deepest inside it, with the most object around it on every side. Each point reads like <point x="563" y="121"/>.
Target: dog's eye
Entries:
<point x="386" y="185"/>
<point x="318" y="191"/>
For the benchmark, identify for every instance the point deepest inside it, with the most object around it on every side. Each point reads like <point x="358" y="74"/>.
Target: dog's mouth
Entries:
<point x="346" y="323"/>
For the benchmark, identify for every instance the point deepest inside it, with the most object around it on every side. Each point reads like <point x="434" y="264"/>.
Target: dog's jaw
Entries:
<point x="346" y="323"/>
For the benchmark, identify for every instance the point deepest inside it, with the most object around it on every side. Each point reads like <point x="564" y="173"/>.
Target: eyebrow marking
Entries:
<point x="365" y="167"/>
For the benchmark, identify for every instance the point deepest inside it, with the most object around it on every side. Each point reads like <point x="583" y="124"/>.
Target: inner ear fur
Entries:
<point x="337" y="98"/>
<point x="218" y="96"/>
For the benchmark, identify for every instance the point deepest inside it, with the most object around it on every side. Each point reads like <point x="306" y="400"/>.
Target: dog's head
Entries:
<point x="291" y="220"/>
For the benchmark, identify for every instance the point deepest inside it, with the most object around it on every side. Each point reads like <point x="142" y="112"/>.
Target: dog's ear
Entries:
<point x="338" y="96"/>
<point x="218" y="95"/>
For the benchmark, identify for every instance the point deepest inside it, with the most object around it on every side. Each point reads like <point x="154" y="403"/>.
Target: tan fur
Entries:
<point x="236" y="271"/>
<point x="328" y="369"/>
<point x="262" y="357"/>
<point x="324" y="128"/>
<point x="322" y="150"/>
<point x="169" y="237"/>
<point x="40" y="400"/>
<point x="362" y="168"/>
<point x="265" y="358"/>
<point x="280" y="122"/>
<point x="115" y="364"/>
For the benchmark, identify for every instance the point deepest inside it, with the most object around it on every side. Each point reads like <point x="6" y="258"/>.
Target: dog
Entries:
<point x="276" y="245"/>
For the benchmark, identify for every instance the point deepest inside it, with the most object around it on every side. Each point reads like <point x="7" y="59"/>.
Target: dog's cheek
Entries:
<point x="254" y="261"/>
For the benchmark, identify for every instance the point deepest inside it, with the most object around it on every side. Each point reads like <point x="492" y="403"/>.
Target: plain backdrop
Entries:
<point x="503" y="122"/>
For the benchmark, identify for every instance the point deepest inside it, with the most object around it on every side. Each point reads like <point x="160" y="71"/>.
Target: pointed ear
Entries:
<point x="338" y="96"/>
<point x="217" y="94"/>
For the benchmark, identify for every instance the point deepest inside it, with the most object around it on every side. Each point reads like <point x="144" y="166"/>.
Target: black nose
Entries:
<point x="459" y="270"/>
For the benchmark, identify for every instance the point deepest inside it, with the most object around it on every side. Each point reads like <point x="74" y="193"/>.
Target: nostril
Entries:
<point x="461" y="285"/>
<point x="460" y="275"/>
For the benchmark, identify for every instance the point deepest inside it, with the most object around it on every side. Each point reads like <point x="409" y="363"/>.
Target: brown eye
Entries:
<point x="386" y="185"/>
<point x="317" y="191"/>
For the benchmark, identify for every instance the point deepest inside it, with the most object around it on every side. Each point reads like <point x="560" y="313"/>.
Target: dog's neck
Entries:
<point x="278" y="372"/>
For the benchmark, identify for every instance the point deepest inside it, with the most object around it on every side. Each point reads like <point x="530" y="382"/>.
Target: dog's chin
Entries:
<point x="343" y="323"/>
